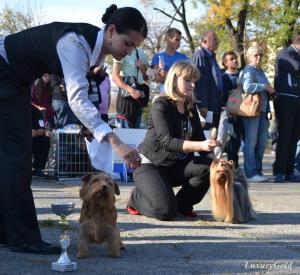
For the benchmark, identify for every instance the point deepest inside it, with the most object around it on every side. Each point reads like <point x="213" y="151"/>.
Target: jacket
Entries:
<point x="206" y="89"/>
<point x="163" y="139"/>
<point x="287" y="72"/>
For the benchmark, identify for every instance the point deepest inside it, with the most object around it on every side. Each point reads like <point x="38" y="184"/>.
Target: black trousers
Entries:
<point x="153" y="195"/>
<point x="287" y="110"/>
<point x="40" y="151"/>
<point x="234" y="143"/>
<point x="18" y="221"/>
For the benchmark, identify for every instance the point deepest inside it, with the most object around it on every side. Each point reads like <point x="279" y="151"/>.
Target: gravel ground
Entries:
<point x="267" y="245"/>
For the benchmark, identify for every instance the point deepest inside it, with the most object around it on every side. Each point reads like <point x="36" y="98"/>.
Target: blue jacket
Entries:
<point x="207" y="90"/>
<point x="287" y="72"/>
<point x="254" y="80"/>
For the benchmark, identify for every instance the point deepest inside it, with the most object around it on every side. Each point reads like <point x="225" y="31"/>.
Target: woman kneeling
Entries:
<point x="167" y="152"/>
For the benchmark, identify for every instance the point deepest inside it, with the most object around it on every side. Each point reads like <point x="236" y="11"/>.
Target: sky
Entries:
<point x="78" y="10"/>
<point x="71" y="10"/>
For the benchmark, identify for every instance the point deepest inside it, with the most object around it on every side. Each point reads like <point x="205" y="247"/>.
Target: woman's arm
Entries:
<point x="250" y="82"/>
<point x="75" y="64"/>
<point x="199" y="146"/>
<point x="116" y="77"/>
<point x="163" y="123"/>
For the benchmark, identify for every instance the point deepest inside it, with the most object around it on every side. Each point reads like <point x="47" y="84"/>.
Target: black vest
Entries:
<point x="32" y="52"/>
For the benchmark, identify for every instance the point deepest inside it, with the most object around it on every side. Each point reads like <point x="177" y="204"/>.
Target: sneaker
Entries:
<point x="257" y="178"/>
<point x="279" y="178"/>
<point x="292" y="178"/>
<point x="264" y="177"/>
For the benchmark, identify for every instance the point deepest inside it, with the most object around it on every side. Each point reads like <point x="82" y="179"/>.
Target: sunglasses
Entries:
<point x="258" y="54"/>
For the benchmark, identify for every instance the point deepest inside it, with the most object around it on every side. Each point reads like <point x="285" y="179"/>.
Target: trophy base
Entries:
<point x="72" y="266"/>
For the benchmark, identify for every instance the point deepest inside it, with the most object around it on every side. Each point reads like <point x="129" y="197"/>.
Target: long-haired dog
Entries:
<point x="229" y="192"/>
<point x="98" y="218"/>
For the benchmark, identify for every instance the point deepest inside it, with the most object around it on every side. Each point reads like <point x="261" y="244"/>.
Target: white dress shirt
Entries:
<point x="76" y="58"/>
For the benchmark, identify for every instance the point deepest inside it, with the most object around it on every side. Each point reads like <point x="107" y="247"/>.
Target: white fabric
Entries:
<point x="101" y="155"/>
<point x="76" y="58"/>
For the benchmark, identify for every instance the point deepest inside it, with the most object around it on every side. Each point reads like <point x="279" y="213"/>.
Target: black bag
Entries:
<point x="126" y="104"/>
<point x="132" y="82"/>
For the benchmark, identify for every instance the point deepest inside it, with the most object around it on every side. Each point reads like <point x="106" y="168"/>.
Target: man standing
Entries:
<point x="209" y="87"/>
<point x="163" y="61"/>
<point x="235" y="124"/>
<point x="287" y="109"/>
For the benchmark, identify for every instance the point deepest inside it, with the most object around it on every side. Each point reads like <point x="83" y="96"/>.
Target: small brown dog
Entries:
<point x="230" y="198"/>
<point x="98" y="219"/>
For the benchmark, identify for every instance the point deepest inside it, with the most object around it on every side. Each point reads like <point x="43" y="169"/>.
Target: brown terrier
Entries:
<point x="98" y="218"/>
<point x="230" y="198"/>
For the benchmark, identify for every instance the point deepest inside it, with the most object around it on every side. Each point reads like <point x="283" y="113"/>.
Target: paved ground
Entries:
<point x="268" y="245"/>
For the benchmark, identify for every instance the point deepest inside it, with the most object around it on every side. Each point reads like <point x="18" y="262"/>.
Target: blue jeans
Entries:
<point x="256" y="138"/>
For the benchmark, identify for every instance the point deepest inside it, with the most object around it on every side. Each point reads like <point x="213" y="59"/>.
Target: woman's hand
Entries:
<point x="136" y="94"/>
<point x="129" y="155"/>
<point x="270" y="89"/>
<point x="126" y="152"/>
<point x="209" y="145"/>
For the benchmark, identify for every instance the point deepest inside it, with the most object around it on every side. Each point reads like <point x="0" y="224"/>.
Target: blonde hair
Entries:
<point x="184" y="69"/>
<point x="253" y="49"/>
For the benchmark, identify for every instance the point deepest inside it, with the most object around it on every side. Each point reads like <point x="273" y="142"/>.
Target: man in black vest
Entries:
<point x="68" y="50"/>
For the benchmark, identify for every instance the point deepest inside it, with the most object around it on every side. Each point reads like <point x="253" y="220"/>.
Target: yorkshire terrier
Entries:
<point x="229" y="192"/>
<point x="98" y="218"/>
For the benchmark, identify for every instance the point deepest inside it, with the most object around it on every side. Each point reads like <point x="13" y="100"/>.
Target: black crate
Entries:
<point x="72" y="159"/>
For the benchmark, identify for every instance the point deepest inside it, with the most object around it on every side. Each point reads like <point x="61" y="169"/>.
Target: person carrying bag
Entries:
<point x="130" y="102"/>
<point x="243" y="104"/>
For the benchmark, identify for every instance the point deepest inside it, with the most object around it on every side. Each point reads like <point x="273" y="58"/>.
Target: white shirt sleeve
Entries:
<point x="75" y="53"/>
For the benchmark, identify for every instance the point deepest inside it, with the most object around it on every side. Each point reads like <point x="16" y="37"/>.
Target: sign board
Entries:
<point x="132" y="137"/>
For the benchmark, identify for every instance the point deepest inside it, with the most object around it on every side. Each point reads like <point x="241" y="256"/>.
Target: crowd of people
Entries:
<point x="71" y="85"/>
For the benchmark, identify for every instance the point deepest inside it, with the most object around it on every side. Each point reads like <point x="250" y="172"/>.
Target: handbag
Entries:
<point x="126" y="105"/>
<point x="132" y="82"/>
<point x="243" y="104"/>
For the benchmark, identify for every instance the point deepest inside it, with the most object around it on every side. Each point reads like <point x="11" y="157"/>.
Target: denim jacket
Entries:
<point x="254" y="80"/>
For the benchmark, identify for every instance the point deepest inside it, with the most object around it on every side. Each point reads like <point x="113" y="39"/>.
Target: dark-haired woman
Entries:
<point x="41" y="97"/>
<point x="68" y="50"/>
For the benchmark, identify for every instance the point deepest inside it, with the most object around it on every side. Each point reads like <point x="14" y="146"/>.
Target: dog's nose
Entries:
<point x="104" y="187"/>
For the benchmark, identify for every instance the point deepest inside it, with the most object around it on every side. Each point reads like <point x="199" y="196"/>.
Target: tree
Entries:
<point x="177" y="14"/>
<point x="155" y="42"/>
<point x="286" y="18"/>
<point x="230" y="16"/>
<point x="270" y="23"/>
<point x="16" y="19"/>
